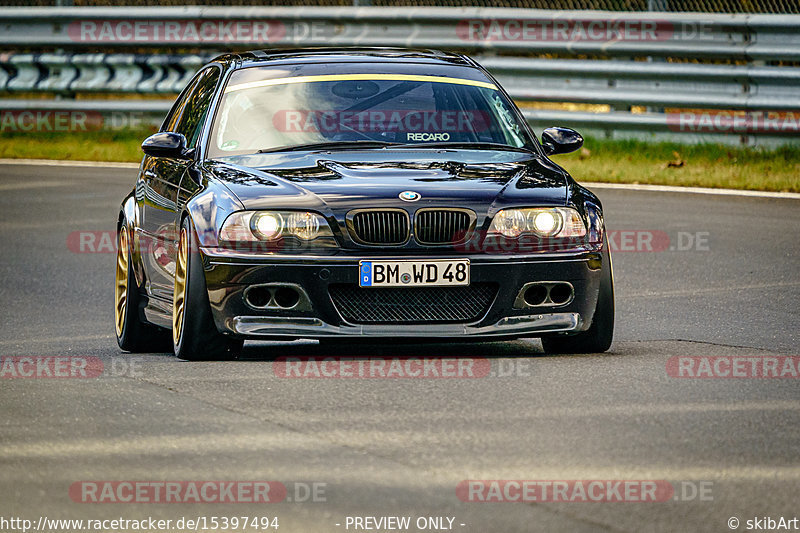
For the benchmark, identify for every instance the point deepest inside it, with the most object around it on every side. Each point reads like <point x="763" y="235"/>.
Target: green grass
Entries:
<point x="704" y="165"/>
<point x="617" y="161"/>
<point x="101" y="145"/>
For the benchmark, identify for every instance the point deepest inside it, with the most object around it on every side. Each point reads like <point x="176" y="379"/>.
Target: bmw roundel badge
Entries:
<point x="410" y="196"/>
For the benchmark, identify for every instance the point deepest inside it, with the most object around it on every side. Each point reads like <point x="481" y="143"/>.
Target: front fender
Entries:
<point x="590" y="207"/>
<point x="209" y="208"/>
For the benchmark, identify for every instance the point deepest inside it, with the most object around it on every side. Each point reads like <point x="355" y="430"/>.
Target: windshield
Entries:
<point x="269" y="111"/>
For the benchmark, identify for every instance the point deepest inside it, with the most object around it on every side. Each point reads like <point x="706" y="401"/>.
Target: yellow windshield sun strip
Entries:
<point x="362" y="77"/>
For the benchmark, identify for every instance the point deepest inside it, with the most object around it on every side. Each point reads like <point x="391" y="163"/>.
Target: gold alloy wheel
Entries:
<point x="179" y="295"/>
<point x="121" y="286"/>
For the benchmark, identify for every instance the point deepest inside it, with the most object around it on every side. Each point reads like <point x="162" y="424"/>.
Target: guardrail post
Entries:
<point x="5" y="71"/>
<point x="748" y="83"/>
<point x="612" y="84"/>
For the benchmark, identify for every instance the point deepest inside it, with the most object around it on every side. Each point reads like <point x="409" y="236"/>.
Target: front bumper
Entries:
<point x="228" y="276"/>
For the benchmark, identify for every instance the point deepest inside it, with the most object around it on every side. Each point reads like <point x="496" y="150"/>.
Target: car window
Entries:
<point x="189" y="113"/>
<point x="177" y="108"/>
<point x="273" y="112"/>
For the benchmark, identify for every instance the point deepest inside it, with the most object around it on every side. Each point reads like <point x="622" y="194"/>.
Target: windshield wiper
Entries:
<point x="476" y="145"/>
<point x="342" y="145"/>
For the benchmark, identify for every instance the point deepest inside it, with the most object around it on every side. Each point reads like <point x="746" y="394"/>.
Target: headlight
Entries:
<point x="267" y="226"/>
<point x="509" y="222"/>
<point x="250" y="226"/>
<point x="304" y="225"/>
<point x="558" y="222"/>
<point x="545" y="223"/>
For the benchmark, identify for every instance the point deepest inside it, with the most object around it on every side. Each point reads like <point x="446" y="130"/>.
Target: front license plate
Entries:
<point x="431" y="273"/>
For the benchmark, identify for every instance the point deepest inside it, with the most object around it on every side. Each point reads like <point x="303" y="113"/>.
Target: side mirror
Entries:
<point x="561" y="141"/>
<point x="166" y="144"/>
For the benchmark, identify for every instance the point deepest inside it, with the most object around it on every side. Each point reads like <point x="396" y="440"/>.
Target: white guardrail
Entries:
<point x="690" y="77"/>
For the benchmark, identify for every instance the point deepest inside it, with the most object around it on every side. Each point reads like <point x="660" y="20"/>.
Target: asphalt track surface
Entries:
<point x="400" y="447"/>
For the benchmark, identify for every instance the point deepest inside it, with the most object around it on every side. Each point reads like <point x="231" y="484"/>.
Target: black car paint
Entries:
<point x="560" y="141"/>
<point x="334" y="182"/>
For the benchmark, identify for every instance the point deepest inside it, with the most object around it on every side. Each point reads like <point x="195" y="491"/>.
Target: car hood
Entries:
<point x="345" y="180"/>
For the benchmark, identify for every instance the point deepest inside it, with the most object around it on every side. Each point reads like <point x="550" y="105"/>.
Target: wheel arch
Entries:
<point x="128" y="215"/>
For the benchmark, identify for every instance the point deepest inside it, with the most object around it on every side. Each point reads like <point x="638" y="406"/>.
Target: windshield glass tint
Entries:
<point x="269" y="114"/>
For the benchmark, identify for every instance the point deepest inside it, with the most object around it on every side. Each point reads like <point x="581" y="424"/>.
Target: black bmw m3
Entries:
<point x="356" y="193"/>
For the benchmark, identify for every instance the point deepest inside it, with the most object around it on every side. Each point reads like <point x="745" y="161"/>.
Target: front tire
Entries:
<point x="598" y="337"/>
<point x="133" y="334"/>
<point x="194" y="334"/>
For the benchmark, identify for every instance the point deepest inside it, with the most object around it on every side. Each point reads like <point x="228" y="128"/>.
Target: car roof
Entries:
<point x="345" y="55"/>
